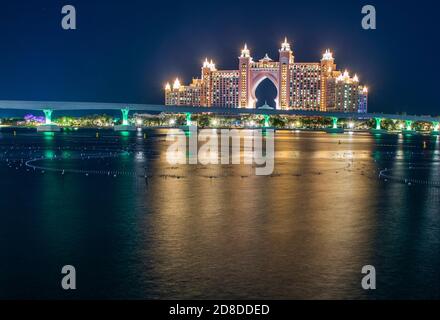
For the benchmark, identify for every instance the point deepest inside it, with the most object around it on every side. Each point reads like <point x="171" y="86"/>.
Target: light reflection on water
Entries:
<point x="220" y="231"/>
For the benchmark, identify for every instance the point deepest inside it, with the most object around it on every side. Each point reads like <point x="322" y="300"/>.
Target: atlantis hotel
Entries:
<point x="301" y="86"/>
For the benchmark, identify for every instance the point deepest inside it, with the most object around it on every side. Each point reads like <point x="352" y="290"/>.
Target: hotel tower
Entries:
<point x="300" y="86"/>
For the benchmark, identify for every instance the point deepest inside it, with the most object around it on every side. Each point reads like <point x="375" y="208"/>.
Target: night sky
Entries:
<point x="125" y="51"/>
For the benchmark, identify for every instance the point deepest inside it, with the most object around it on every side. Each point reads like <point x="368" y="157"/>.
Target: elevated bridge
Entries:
<point x="48" y="107"/>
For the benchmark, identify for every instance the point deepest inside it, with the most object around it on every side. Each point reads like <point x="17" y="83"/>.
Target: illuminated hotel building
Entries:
<point x="300" y="86"/>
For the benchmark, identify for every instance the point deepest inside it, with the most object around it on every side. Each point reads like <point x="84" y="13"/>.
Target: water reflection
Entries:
<point x="219" y="231"/>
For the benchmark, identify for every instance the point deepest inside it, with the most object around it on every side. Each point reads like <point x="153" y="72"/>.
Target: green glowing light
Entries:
<point x="436" y="125"/>
<point x="48" y="116"/>
<point x="187" y="133"/>
<point x="125" y="133"/>
<point x="49" y="154"/>
<point x="378" y="123"/>
<point x="66" y="154"/>
<point x="266" y="121"/>
<point x="335" y="122"/>
<point x="125" y="112"/>
<point x="188" y="119"/>
<point x="408" y="125"/>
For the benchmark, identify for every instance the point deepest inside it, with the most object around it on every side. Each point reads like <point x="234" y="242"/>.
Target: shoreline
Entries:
<point x="297" y="130"/>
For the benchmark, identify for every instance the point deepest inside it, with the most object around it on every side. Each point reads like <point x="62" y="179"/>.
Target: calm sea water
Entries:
<point x="213" y="232"/>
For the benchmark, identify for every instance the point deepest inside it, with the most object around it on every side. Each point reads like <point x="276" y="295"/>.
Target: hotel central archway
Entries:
<point x="257" y="78"/>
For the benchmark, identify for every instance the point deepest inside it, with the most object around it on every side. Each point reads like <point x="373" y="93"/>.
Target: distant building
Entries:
<point x="300" y="86"/>
<point x="363" y="100"/>
<point x="349" y="95"/>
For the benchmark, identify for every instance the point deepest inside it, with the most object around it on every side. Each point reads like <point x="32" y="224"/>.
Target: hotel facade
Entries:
<point x="300" y="86"/>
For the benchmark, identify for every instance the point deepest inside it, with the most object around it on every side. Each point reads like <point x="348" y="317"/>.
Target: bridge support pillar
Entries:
<point x="48" y="115"/>
<point x="189" y="123"/>
<point x="378" y="123"/>
<point x="436" y="128"/>
<point x="188" y="119"/>
<point x="334" y="128"/>
<point x="125" y="113"/>
<point x="125" y="126"/>
<point x="48" y="125"/>
<point x="378" y="129"/>
<point x="408" y="127"/>
<point x="335" y="122"/>
<point x="266" y="121"/>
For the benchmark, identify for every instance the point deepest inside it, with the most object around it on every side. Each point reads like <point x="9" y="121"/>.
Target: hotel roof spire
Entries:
<point x="328" y="55"/>
<point x="285" y="46"/>
<point x="176" y="84"/>
<point x="245" y="53"/>
<point x="209" y="64"/>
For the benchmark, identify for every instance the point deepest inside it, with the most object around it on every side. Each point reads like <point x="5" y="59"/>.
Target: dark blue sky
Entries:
<point x="124" y="51"/>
